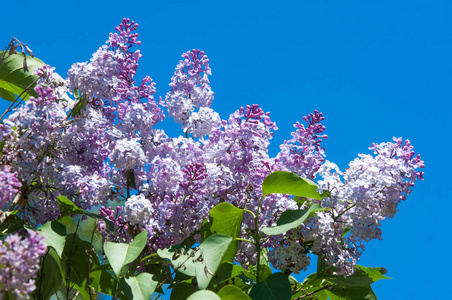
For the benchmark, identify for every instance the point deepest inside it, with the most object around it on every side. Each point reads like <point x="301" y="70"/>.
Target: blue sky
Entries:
<point x="376" y="69"/>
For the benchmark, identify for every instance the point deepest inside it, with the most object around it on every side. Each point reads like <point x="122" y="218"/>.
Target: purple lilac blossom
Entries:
<point x="70" y="153"/>
<point x="190" y="87"/>
<point x="303" y="153"/>
<point x="9" y="186"/>
<point x="368" y="193"/>
<point x="19" y="263"/>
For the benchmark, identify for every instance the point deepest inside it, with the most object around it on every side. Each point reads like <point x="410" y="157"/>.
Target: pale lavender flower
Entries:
<point x="127" y="154"/>
<point x="202" y="122"/>
<point x="369" y="192"/>
<point x="19" y="263"/>
<point x="190" y="87"/>
<point x="138" y="211"/>
<point x="9" y="186"/>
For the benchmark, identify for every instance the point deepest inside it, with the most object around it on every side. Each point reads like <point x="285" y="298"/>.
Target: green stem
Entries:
<point x="343" y="212"/>
<point x="249" y="211"/>
<point x="147" y="257"/>
<point x="256" y="239"/>
<point x="244" y="240"/>
<point x="258" y="246"/>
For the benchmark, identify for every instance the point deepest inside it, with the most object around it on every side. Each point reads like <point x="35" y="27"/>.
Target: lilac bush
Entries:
<point x="102" y="147"/>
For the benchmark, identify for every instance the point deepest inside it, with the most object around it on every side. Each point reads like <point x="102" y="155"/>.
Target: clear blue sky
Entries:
<point x="376" y="69"/>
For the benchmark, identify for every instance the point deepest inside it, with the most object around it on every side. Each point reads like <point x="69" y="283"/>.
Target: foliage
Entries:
<point x="208" y="214"/>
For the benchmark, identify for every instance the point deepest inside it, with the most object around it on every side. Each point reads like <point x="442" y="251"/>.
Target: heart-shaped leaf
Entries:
<point x="120" y="254"/>
<point x="225" y="219"/>
<point x="142" y="286"/>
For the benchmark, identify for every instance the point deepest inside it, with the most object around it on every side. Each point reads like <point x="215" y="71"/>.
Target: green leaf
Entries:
<point x="142" y="286"/>
<point x="7" y="95"/>
<point x="181" y="257"/>
<point x="106" y="282"/>
<point x="291" y="219"/>
<point x="120" y="254"/>
<point x="264" y="267"/>
<point x="363" y="276"/>
<point x="67" y="207"/>
<point x="124" y="291"/>
<point x="204" y="295"/>
<point x="225" y="219"/>
<point x="14" y="79"/>
<point x="79" y="259"/>
<point x="228" y="273"/>
<point x="325" y="295"/>
<point x="55" y="236"/>
<point x="280" y="182"/>
<point x="78" y="107"/>
<point x="159" y="271"/>
<point x="51" y="276"/>
<point x="12" y="223"/>
<point x="182" y="290"/>
<point x="275" y="287"/>
<point x="213" y="250"/>
<point x="231" y="292"/>
<point x="355" y="293"/>
<point x="329" y="295"/>
<point x="202" y="261"/>
<point x="350" y="287"/>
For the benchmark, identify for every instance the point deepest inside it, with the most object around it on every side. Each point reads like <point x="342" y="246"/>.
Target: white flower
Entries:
<point x="138" y="210"/>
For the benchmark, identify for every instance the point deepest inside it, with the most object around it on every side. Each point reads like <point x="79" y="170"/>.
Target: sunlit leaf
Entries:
<point x="142" y="286"/>
<point x="55" y="235"/>
<point x="225" y="219"/>
<point x="13" y="78"/>
<point x="121" y="254"/>
<point x="204" y="295"/>
<point x="280" y="182"/>
<point x="231" y="292"/>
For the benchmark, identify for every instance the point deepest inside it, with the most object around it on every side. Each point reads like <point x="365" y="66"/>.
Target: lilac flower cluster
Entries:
<point x="366" y="194"/>
<point x="303" y="153"/>
<point x="9" y="186"/>
<point x="103" y="146"/>
<point x="19" y="263"/>
<point x="82" y="148"/>
<point x="138" y="211"/>
<point x="190" y="89"/>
